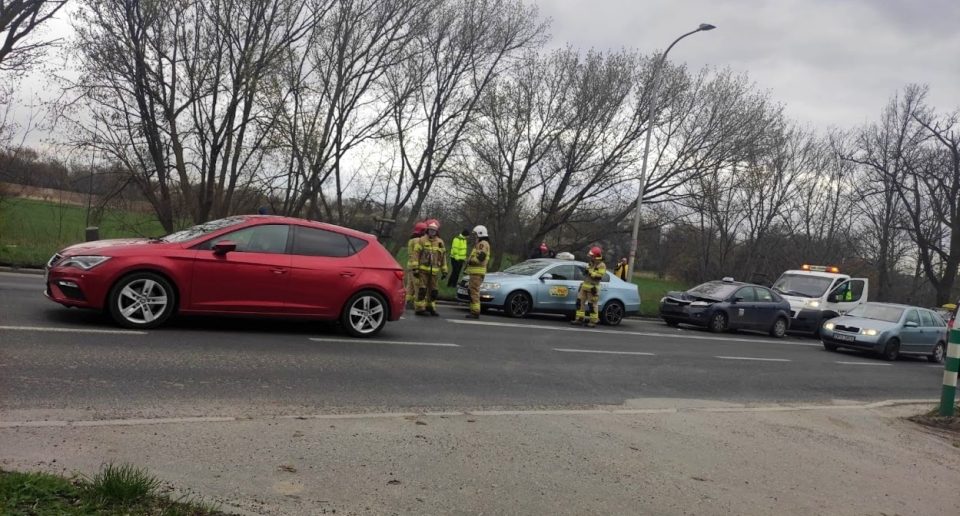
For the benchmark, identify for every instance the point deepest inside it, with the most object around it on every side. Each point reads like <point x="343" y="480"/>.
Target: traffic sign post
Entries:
<point x="949" y="395"/>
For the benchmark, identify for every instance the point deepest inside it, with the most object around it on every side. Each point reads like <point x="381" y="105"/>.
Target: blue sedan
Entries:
<point x="888" y="329"/>
<point x="550" y="286"/>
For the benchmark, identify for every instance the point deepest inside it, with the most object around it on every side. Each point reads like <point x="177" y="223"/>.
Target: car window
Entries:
<point x="913" y="316"/>
<point x="202" y="229"/>
<point x="746" y="294"/>
<point x="527" y="268"/>
<point x="928" y="319"/>
<point x="877" y="312"/>
<point x="320" y="242"/>
<point x="563" y="272"/>
<point x="268" y="238"/>
<point x="715" y="290"/>
<point x="849" y="291"/>
<point x="764" y="295"/>
<point x="606" y="278"/>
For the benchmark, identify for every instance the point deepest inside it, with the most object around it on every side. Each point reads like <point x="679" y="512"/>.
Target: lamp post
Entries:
<point x="655" y="85"/>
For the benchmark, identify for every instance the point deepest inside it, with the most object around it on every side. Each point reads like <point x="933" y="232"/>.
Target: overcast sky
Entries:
<point x="831" y="62"/>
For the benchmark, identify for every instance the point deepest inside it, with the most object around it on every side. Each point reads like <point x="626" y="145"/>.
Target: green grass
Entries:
<point x="652" y="289"/>
<point x="115" y="490"/>
<point x="31" y="231"/>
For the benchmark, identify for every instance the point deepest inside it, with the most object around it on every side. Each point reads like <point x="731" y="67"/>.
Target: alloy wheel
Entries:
<point x="142" y="301"/>
<point x="366" y="314"/>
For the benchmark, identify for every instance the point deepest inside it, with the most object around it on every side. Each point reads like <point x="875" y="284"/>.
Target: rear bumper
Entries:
<point x="807" y="321"/>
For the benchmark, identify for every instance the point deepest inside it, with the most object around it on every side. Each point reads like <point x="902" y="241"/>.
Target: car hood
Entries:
<point x="101" y="246"/>
<point x="686" y="297"/>
<point x="860" y="322"/>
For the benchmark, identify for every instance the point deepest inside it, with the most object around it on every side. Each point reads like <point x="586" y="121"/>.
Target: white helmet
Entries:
<point x="481" y="231"/>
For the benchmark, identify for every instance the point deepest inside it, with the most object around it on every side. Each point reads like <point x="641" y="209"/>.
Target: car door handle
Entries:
<point x="278" y="271"/>
<point x="347" y="274"/>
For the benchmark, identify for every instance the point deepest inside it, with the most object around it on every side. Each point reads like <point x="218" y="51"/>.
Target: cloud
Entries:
<point x="832" y="62"/>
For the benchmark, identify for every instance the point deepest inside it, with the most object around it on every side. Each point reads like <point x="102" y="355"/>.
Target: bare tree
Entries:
<point x="19" y="20"/>
<point x="520" y="119"/>
<point x="331" y="97"/>
<point x="435" y="93"/>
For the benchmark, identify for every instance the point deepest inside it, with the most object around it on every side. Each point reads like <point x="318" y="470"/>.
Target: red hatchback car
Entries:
<point x="244" y="265"/>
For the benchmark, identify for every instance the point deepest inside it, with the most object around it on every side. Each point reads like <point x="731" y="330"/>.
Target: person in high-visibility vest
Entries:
<point x="622" y="267"/>
<point x="458" y="253"/>
<point x="412" y="265"/>
<point x="589" y="292"/>
<point x="477" y="268"/>
<point x="432" y="267"/>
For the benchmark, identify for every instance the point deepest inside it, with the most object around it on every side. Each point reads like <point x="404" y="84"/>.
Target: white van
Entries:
<point x="817" y="293"/>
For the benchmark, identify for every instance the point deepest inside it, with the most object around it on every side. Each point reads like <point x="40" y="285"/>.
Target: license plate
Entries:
<point x="844" y="338"/>
<point x="462" y="291"/>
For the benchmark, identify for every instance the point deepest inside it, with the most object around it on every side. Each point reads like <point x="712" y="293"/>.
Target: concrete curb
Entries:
<point x="21" y="270"/>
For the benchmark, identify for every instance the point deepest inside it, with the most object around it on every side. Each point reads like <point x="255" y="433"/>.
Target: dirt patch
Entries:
<point x="934" y="420"/>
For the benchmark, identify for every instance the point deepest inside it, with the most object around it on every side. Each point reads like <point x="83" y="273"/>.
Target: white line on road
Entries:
<point x="604" y="352"/>
<point x="680" y="335"/>
<point x="864" y="363"/>
<point x="71" y="330"/>
<point x="396" y="342"/>
<point x="755" y="358"/>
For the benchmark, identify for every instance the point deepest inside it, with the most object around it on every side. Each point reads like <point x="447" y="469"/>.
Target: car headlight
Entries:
<point x="83" y="262"/>
<point x="870" y="332"/>
<point x="700" y="303"/>
<point x="828" y="326"/>
<point x="662" y="299"/>
<point x="813" y="303"/>
<point x="489" y="286"/>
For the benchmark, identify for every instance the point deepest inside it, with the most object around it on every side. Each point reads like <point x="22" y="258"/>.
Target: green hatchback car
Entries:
<point x="888" y="329"/>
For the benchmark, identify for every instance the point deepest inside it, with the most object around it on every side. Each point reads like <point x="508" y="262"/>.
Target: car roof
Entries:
<point x="895" y="305"/>
<point x="277" y="219"/>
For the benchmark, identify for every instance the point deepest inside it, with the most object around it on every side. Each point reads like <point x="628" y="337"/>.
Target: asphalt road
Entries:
<point x="54" y="358"/>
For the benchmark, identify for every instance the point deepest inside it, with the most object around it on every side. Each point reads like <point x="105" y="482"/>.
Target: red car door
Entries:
<point x="324" y="269"/>
<point x="255" y="278"/>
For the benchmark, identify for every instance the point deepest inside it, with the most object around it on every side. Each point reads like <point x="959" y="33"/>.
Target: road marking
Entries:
<point x="71" y="330"/>
<point x="682" y="335"/>
<point x="604" y="352"/>
<point x="395" y="342"/>
<point x="864" y="363"/>
<point x="755" y="358"/>
<point x="468" y="413"/>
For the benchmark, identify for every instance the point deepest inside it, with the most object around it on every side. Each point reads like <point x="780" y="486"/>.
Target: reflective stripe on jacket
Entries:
<point x="595" y="272"/>
<point x="458" y="248"/>
<point x="412" y="253"/>
<point x="475" y="265"/>
<point x="431" y="254"/>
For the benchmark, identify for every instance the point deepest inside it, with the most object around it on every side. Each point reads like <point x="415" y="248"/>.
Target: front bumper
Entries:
<point x="859" y="342"/>
<point x="698" y="316"/>
<point x="74" y="287"/>
<point x="487" y="297"/>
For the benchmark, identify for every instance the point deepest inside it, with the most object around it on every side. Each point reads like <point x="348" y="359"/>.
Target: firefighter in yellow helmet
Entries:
<point x="412" y="264"/>
<point x="432" y="264"/>
<point x="477" y="267"/>
<point x="589" y="293"/>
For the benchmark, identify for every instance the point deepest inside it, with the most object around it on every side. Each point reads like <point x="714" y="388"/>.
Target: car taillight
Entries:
<point x="398" y="274"/>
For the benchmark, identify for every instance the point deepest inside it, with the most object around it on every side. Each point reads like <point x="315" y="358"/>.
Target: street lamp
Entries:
<point x="655" y="80"/>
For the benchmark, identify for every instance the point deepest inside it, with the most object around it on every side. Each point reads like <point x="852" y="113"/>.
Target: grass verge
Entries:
<point x="31" y="231"/>
<point x="115" y="490"/>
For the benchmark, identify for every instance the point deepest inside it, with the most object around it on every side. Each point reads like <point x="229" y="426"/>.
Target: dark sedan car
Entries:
<point x="728" y="305"/>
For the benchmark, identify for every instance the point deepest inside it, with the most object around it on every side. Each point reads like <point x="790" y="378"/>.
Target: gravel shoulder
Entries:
<point x="686" y="461"/>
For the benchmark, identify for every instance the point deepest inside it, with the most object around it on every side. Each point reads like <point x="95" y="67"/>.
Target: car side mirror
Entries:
<point x="224" y="247"/>
<point x="546" y="276"/>
<point x="737" y="299"/>
<point x="911" y="324"/>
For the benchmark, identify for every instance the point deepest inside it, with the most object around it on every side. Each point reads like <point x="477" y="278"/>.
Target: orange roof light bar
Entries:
<point x="820" y="268"/>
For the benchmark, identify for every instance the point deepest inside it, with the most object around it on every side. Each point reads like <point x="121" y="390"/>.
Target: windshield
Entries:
<point x="715" y="290"/>
<point x="877" y="312"/>
<point x="802" y="285"/>
<point x="527" y="268"/>
<point x="202" y="229"/>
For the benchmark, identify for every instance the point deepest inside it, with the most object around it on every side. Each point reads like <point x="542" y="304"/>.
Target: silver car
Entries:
<point x="550" y="286"/>
<point x="888" y="329"/>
